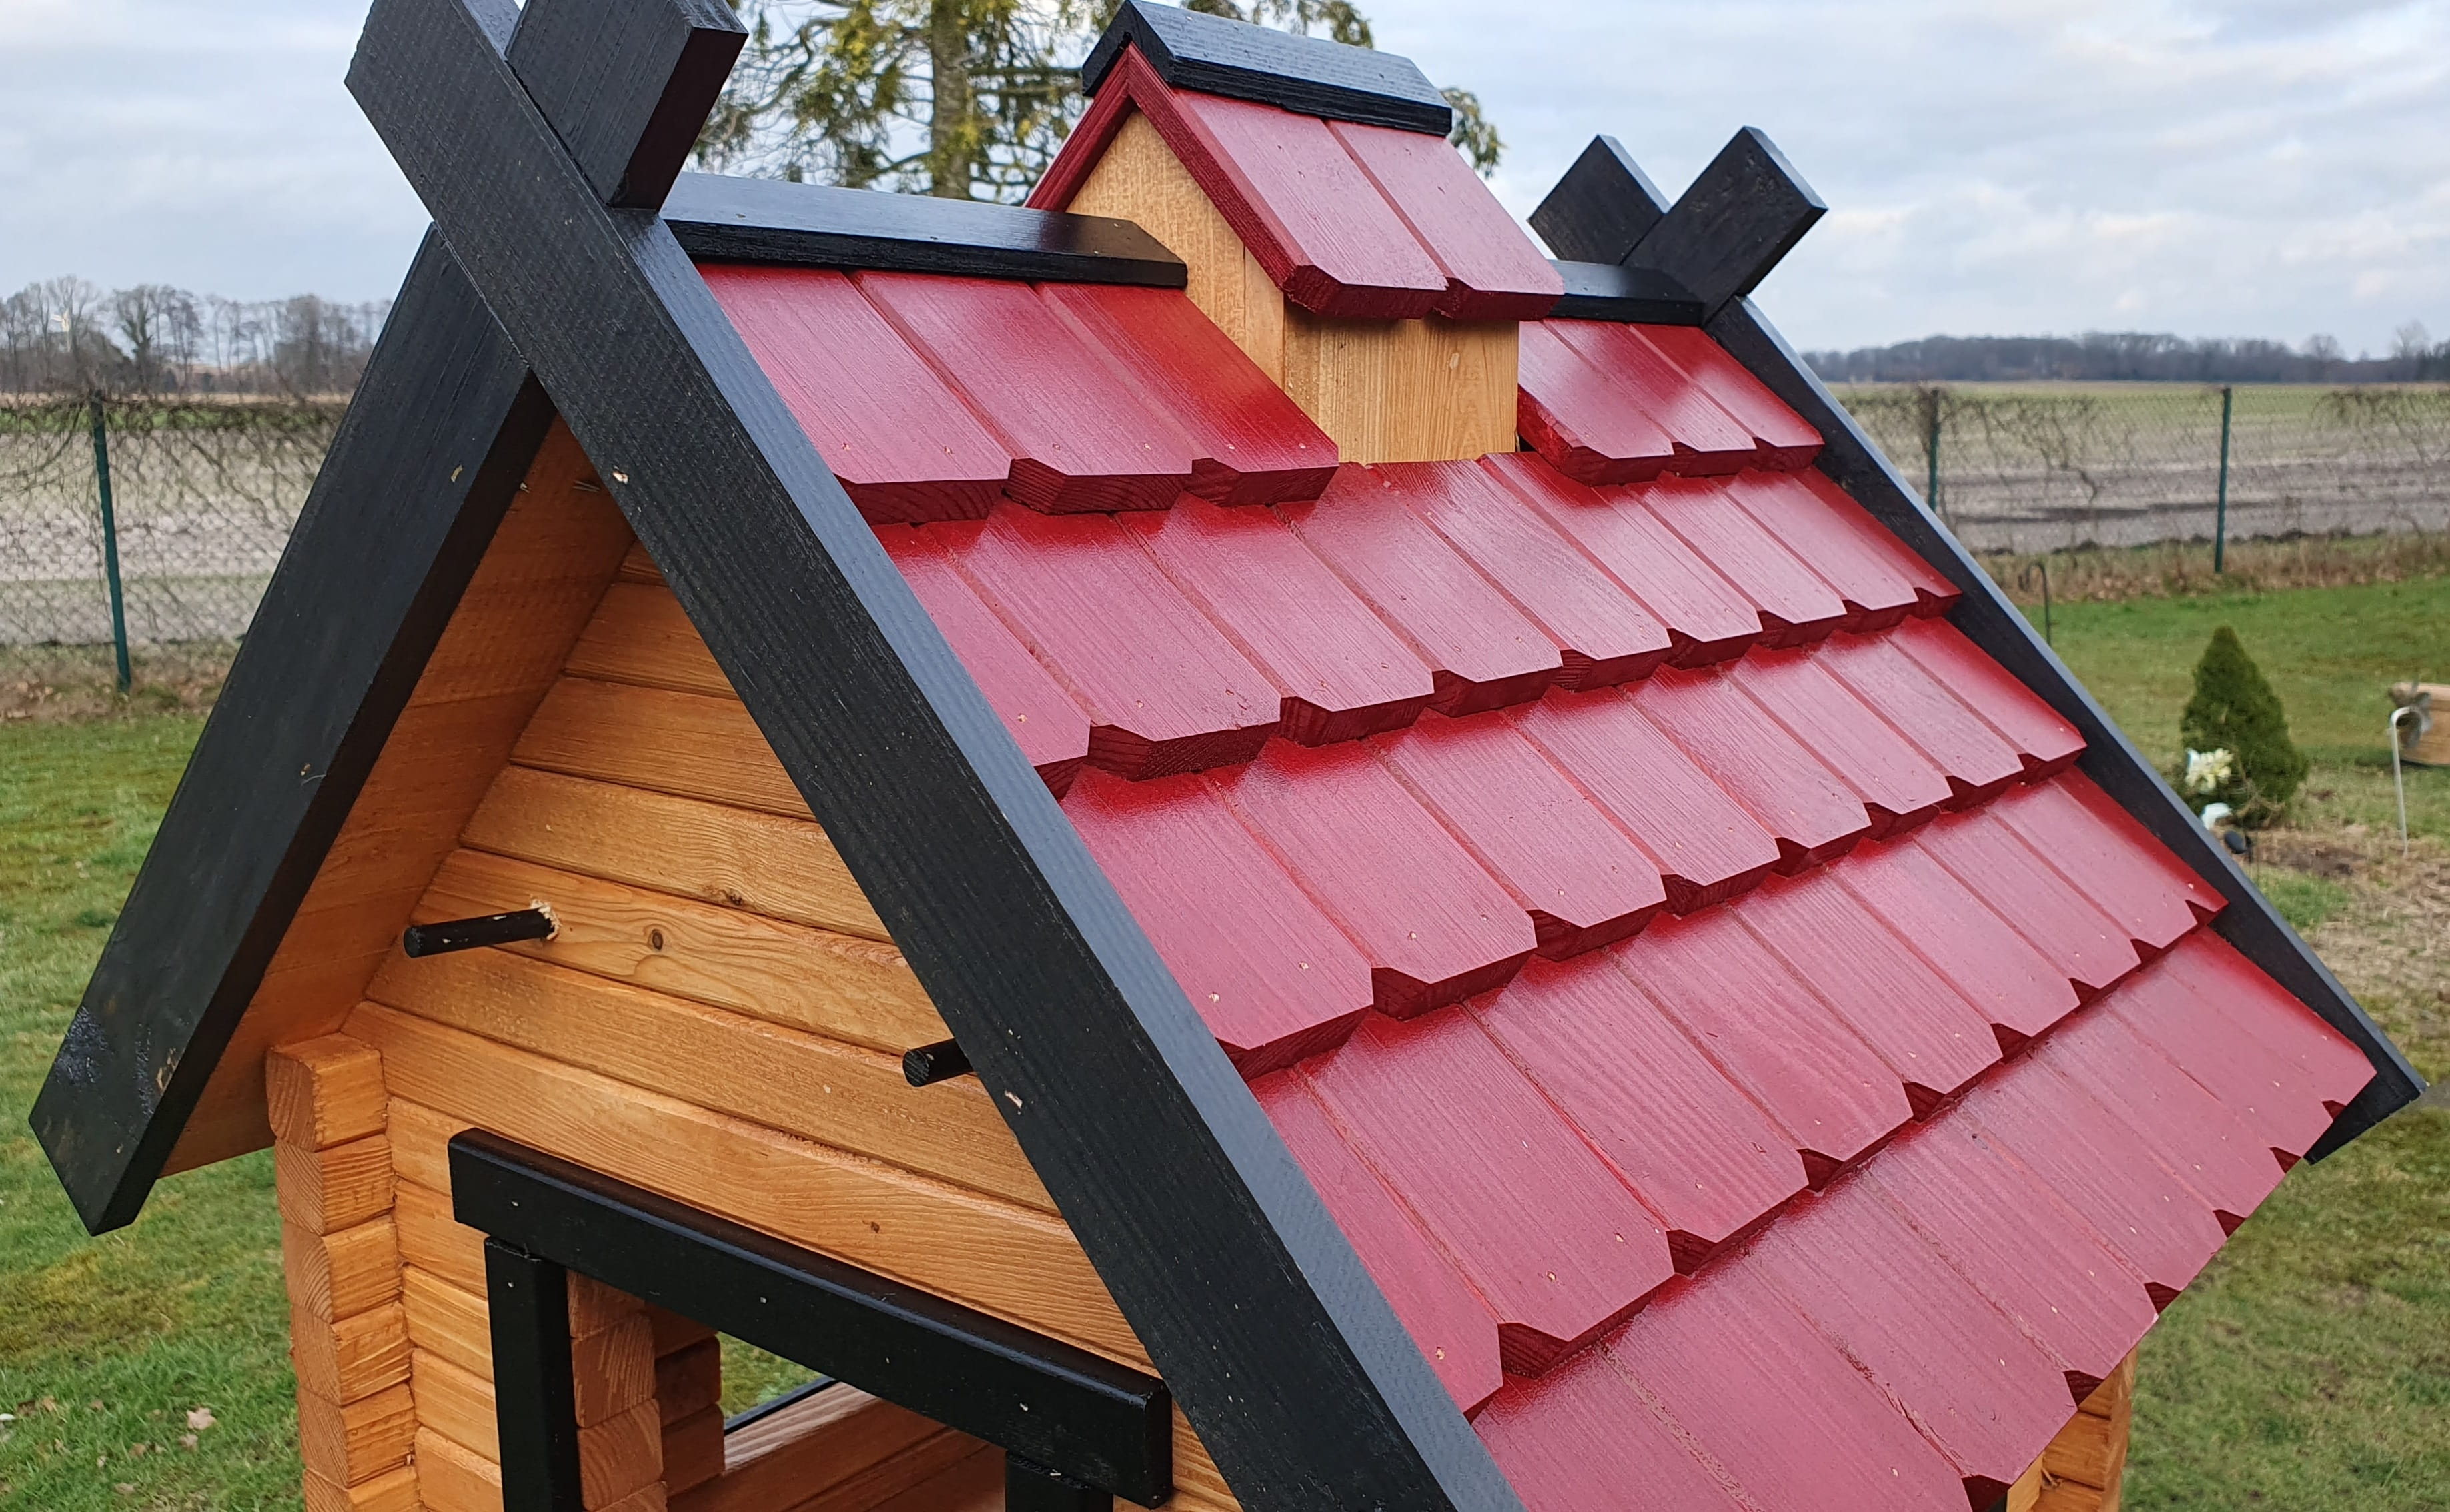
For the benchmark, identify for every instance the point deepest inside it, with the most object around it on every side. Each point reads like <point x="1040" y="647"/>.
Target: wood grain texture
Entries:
<point x="1581" y="1436"/>
<point x="684" y="743"/>
<point x="816" y="1445"/>
<point x="1899" y="788"/>
<point x="342" y="1273"/>
<point x="1732" y="224"/>
<point x="1996" y="865"/>
<point x="320" y="1093"/>
<point x="620" y="1457"/>
<point x="640" y="634"/>
<point x="2258" y="1005"/>
<point x="1794" y="605"/>
<point x="1405" y="391"/>
<point x="1603" y="207"/>
<point x="353" y="1358"/>
<point x="2044" y="741"/>
<point x="421" y="1140"/>
<point x="455" y="1479"/>
<point x="2222" y="1161"/>
<point x="1785" y="442"/>
<point x="687" y="1382"/>
<point x="349" y="1444"/>
<point x="2096" y="845"/>
<point x="1978" y="764"/>
<point x="1582" y="422"/>
<point x="445" y="1321"/>
<point x="1708" y="618"/>
<point x="2009" y="982"/>
<point x="2274" y="1097"/>
<point x="395" y="1491"/>
<point x="457" y="1405"/>
<point x="432" y="1240"/>
<point x="1812" y="816"/>
<point x="322" y="1190"/>
<point x="693" y="1451"/>
<point x="1877" y="579"/>
<point x="1707" y="440"/>
<point x="1493" y="272"/>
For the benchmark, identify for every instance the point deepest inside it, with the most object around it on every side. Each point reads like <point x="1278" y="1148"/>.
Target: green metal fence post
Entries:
<point x="110" y="540"/>
<point x="2220" y="506"/>
<point x="1931" y="448"/>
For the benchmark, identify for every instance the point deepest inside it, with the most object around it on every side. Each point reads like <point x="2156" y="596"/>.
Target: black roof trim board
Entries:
<point x="1218" y="56"/>
<point x="1604" y="291"/>
<point x="589" y="68"/>
<point x="1286" y="1356"/>
<point x="732" y="220"/>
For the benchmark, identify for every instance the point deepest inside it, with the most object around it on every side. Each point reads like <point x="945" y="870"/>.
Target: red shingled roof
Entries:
<point x="1758" y="1071"/>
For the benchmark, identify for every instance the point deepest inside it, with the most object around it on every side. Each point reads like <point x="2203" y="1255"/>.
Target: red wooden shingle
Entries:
<point x="1048" y="725"/>
<point x="1934" y="1039"/>
<point x="2263" y="1008"/>
<point x="1785" y="439"/>
<point x="2005" y="979"/>
<point x="1698" y="1152"/>
<point x="1482" y="650"/>
<point x="2274" y="1095"/>
<point x="1771" y="1034"/>
<point x="1870" y="568"/>
<point x="1709" y="618"/>
<point x="2119" y="866"/>
<point x="1581" y="1439"/>
<point x="1707" y="848"/>
<point x="1555" y="1245"/>
<point x="1579" y="420"/>
<point x="1796" y="607"/>
<point x="1343" y="673"/>
<point x="1898" y="787"/>
<point x="1081" y="437"/>
<point x="1163" y="689"/>
<point x="1582" y="883"/>
<point x="1250" y="443"/>
<point x="2202" y="898"/>
<point x="2045" y="743"/>
<point x="1997" y="867"/>
<point x="1433" y="924"/>
<point x="1437" y="1306"/>
<point x="1493" y="272"/>
<point x="1272" y="978"/>
<point x="2210" y="1147"/>
<point x="1951" y="736"/>
<point x="1708" y="438"/>
<point x="1604" y="633"/>
<point x="1810" y="813"/>
<point x="1760" y="1392"/>
<point x="903" y="444"/>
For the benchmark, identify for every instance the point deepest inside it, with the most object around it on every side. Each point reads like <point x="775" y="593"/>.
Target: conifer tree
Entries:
<point x="2234" y="710"/>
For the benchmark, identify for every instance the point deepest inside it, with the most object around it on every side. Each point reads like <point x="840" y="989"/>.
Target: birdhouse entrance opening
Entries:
<point x="1078" y="1431"/>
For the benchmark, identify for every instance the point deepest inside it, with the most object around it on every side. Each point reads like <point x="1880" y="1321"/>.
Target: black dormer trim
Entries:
<point x="1604" y="291"/>
<point x="1212" y="55"/>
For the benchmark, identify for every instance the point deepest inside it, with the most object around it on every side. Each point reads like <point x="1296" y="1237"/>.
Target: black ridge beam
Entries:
<point x="1602" y="208"/>
<point x="1309" y="75"/>
<point x="1732" y="224"/>
<point x="1060" y="1407"/>
<point x="1605" y="291"/>
<point x="419" y="940"/>
<point x="1283" y="1352"/>
<point x="536" y="1400"/>
<point x="718" y="219"/>
<point x="627" y="87"/>
<point x="930" y="1064"/>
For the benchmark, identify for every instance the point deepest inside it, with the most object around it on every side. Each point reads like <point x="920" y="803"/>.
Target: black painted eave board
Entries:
<point x="1607" y="291"/>
<point x="1309" y="75"/>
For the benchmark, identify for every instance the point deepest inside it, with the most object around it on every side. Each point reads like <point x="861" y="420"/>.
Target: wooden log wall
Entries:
<point x="2082" y="1468"/>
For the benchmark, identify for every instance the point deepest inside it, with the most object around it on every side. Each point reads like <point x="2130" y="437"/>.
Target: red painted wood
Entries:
<point x="2126" y="873"/>
<point x="1796" y="607"/>
<point x="1708" y="617"/>
<point x="1582" y="883"/>
<point x="2089" y="1159"/>
<point x="1978" y="764"/>
<point x="2172" y="873"/>
<point x="1758" y="1389"/>
<point x="1493" y="272"/>
<point x="2207" y="1147"/>
<point x="2009" y="982"/>
<point x="1811" y="814"/>
<point x="1043" y="720"/>
<point x="1455" y="1332"/>
<point x="1579" y="420"/>
<point x="1434" y="925"/>
<point x="1163" y="689"/>
<point x="1899" y="788"/>
<point x="906" y="447"/>
<point x="2045" y="742"/>
<point x="1080" y="438"/>
<point x="1988" y="1396"/>
<point x="1604" y="633"/>
<point x="1554" y="1244"/>
<point x="1706" y="438"/>
<point x="1930" y="1037"/>
<point x="1343" y="673"/>
<point x="1581" y="1439"/>
<point x="1250" y="443"/>
<point x="2272" y="1094"/>
<point x="2089" y="947"/>
<point x="1986" y="1214"/>
<point x="1785" y="440"/>
<point x="2265" y="1009"/>
<point x="1698" y="1153"/>
<point x="1272" y="978"/>
<point x="1483" y="653"/>
<point x="1879" y="580"/>
<point x="1772" y="1034"/>
<point x="1706" y="847"/>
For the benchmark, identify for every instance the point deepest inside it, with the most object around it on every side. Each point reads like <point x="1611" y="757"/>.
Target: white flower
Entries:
<point x="2207" y="769"/>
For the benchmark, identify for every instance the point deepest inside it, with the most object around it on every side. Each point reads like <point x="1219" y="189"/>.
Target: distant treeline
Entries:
<point x="66" y="336"/>
<point x="2129" y="355"/>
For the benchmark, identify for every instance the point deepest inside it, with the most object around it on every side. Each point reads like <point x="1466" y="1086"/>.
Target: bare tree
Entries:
<point x="159" y="329"/>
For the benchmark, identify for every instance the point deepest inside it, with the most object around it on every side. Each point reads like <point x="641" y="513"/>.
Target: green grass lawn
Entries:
<point x="2308" y="1369"/>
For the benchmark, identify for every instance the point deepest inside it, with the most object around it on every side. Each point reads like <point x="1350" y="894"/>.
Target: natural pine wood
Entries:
<point x="2082" y="1469"/>
<point x="420" y="1144"/>
<point x="447" y="1322"/>
<point x="620" y="1456"/>
<point x="322" y="1190"/>
<point x="451" y="1478"/>
<point x="693" y="1451"/>
<point x="339" y="1274"/>
<point x="353" y="1358"/>
<point x="689" y="1381"/>
<point x="393" y="1492"/>
<point x="350" y="1444"/>
<point x="432" y="1240"/>
<point x="320" y="1093"/>
<point x="688" y="745"/>
<point x="458" y="1403"/>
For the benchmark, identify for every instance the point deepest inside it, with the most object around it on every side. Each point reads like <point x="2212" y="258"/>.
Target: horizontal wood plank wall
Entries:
<point x="1388" y="391"/>
<point x="719" y="1016"/>
<point x="550" y="562"/>
<point x="2084" y="1466"/>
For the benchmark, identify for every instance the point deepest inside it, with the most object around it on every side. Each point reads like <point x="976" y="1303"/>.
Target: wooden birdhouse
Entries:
<point x="1224" y="842"/>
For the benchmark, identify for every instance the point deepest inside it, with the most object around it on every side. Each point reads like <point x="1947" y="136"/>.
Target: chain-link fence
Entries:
<point x="2017" y="467"/>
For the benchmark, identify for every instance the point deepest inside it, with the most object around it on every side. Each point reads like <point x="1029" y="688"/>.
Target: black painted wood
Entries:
<point x="420" y="472"/>
<point x="1055" y="1403"/>
<point x="729" y="220"/>
<point x="926" y="1065"/>
<point x="1286" y="1357"/>
<point x="627" y="87"/>
<point x="536" y="1398"/>
<point x="1605" y="291"/>
<point x="419" y="940"/>
<point x="1029" y="1486"/>
<point x="1733" y="223"/>
<point x="1218" y="56"/>
<point x="1602" y="208"/>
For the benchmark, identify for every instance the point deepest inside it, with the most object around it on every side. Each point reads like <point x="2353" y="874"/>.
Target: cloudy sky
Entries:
<point x="2258" y="168"/>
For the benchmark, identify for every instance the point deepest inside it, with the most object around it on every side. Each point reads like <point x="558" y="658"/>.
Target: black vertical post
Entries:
<point x="2220" y="506"/>
<point x="1930" y="448"/>
<point x="1029" y="1486"/>
<point x="535" y="1402"/>
<point x="110" y="538"/>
